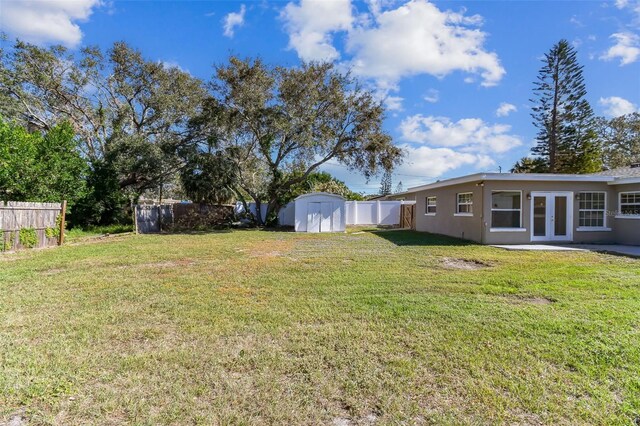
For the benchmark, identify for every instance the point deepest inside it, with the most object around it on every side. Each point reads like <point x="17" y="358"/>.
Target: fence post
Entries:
<point x="378" y="212"/>
<point x="135" y="218"/>
<point x="355" y="212"/>
<point x="63" y="213"/>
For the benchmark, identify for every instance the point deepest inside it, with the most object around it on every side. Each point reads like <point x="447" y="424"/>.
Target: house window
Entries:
<point x="431" y="206"/>
<point x="630" y="203"/>
<point x="465" y="203"/>
<point x="506" y="209"/>
<point x="592" y="210"/>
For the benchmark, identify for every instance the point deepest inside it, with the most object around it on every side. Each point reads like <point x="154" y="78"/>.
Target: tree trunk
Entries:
<point x="273" y="207"/>
<point x="258" y="216"/>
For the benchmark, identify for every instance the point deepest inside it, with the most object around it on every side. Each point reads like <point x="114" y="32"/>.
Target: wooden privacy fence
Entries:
<point x="408" y="216"/>
<point x="181" y="217"/>
<point x="31" y="225"/>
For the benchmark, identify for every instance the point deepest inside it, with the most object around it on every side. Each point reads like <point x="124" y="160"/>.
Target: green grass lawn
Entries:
<point x="258" y="327"/>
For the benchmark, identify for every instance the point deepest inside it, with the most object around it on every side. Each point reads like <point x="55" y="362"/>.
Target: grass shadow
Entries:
<point x="227" y="230"/>
<point x="414" y="238"/>
<point x="194" y="231"/>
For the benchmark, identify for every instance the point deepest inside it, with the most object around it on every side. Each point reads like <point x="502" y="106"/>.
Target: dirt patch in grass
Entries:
<point x="531" y="300"/>
<point x="53" y="271"/>
<point x="277" y="248"/>
<point x="468" y="265"/>
<point x="178" y="263"/>
<point x="16" y="419"/>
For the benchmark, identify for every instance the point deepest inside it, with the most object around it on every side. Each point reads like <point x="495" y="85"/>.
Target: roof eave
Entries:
<point x="523" y="177"/>
<point x="623" y="181"/>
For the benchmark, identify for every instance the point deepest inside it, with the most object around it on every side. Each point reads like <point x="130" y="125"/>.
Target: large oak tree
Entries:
<point x="278" y="125"/>
<point x="126" y="110"/>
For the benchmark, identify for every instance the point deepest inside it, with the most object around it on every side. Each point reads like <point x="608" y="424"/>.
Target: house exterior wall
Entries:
<point x="524" y="237"/>
<point x="478" y="226"/>
<point x="445" y="221"/>
<point x="626" y="230"/>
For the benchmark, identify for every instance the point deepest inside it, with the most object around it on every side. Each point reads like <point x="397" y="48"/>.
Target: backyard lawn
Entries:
<point x="259" y="327"/>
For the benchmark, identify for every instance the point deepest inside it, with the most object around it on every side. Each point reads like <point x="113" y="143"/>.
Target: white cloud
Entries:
<point x="46" y="21"/>
<point x="434" y="146"/>
<point x="311" y="25"/>
<point x="505" y="109"/>
<point x="575" y="21"/>
<point x="393" y="103"/>
<point x="615" y="106"/>
<point x="467" y="134"/>
<point x="633" y="5"/>
<point x="424" y="162"/>
<point x="419" y="38"/>
<point x="626" y="47"/>
<point x="415" y="38"/>
<point x="233" y="20"/>
<point x="432" y="96"/>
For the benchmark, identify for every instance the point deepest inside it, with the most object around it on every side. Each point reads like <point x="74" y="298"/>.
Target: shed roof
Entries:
<point x="326" y="194"/>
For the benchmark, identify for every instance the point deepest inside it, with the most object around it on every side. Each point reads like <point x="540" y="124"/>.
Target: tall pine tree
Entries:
<point x="567" y="141"/>
<point x="385" y="183"/>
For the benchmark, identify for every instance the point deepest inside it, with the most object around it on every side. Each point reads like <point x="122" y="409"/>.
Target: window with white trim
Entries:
<point x="630" y="203"/>
<point x="506" y="209"/>
<point x="465" y="203"/>
<point x="431" y="205"/>
<point x="591" y="210"/>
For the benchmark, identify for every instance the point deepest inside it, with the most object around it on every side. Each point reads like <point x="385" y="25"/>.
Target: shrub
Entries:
<point x="28" y="237"/>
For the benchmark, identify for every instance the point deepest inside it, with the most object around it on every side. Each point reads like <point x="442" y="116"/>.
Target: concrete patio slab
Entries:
<point x="536" y="247"/>
<point x="633" y="251"/>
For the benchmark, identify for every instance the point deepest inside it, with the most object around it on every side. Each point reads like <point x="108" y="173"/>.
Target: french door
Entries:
<point x="551" y="216"/>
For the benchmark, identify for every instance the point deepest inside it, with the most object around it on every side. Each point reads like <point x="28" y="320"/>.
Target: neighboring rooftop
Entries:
<point x="622" y="172"/>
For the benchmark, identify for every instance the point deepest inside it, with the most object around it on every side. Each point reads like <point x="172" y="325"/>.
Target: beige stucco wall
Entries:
<point x="627" y="231"/>
<point x="444" y="222"/>
<point x="478" y="227"/>
<point x="532" y="186"/>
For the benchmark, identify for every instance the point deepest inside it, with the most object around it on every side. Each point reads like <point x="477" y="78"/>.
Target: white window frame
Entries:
<point x="521" y="228"/>
<point x="458" y="204"/>
<point x="604" y="213"/>
<point x="427" y="205"/>
<point x="619" y="215"/>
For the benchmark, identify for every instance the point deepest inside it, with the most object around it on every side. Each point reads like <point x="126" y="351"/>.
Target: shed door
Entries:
<point x="327" y="212"/>
<point x="314" y="214"/>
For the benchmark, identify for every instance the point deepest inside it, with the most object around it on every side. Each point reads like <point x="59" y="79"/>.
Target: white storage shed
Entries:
<point x="320" y="212"/>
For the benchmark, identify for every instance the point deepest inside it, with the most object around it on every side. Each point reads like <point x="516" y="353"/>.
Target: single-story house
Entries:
<point x="508" y="208"/>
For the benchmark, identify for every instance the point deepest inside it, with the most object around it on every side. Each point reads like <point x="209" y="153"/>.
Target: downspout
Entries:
<point x="483" y="226"/>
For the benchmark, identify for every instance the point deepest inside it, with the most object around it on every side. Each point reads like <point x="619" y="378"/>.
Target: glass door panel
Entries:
<point x="540" y="216"/>
<point x="560" y="216"/>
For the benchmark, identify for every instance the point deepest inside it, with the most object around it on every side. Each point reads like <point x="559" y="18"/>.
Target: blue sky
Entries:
<point x="456" y="76"/>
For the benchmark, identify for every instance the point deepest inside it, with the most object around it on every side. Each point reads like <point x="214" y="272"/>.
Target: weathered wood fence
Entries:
<point x="31" y="225"/>
<point x="181" y="217"/>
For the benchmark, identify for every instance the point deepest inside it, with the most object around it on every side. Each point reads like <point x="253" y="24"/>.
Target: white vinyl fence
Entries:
<point x="374" y="212"/>
<point x="286" y="216"/>
<point x="357" y="212"/>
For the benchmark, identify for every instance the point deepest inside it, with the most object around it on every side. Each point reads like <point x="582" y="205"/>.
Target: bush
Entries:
<point x="28" y="237"/>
